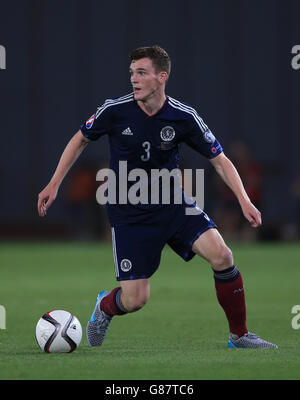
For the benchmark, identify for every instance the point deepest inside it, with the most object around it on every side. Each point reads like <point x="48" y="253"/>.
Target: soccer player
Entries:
<point x="145" y="129"/>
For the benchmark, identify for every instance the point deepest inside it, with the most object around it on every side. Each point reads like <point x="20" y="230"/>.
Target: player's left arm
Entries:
<point x="230" y="176"/>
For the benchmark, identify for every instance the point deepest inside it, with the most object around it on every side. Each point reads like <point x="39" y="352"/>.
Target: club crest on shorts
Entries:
<point x="90" y="121"/>
<point x="209" y="137"/>
<point x="125" y="265"/>
<point x="167" y="133"/>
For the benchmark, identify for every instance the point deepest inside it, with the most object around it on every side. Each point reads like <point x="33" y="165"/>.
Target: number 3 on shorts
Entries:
<point x="145" y="157"/>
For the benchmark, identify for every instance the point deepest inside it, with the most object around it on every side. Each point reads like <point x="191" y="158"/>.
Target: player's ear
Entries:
<point x="163" y="76"/>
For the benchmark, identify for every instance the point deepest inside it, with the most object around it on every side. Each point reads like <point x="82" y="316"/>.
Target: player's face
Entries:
<point x="146" y="82"/>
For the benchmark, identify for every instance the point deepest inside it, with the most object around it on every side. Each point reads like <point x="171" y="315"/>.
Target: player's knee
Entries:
<point x="135" y="303"/>
<point x="223" y="258"/>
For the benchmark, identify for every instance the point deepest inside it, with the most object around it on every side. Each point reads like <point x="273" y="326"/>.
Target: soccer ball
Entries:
<point x="58" y="331"/>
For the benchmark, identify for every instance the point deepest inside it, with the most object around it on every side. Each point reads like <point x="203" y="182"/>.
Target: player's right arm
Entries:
<point x="70" y="154"/>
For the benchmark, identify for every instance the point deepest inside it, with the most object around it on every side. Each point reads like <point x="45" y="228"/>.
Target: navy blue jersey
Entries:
<point x="148" y="143"/>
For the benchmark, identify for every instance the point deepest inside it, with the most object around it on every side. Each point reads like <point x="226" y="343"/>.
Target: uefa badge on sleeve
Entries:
<point x="209" y="137"/>
<point x="90" y="121"/>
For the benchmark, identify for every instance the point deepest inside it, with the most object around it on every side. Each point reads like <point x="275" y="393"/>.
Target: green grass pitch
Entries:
<point x="181" y="333"/>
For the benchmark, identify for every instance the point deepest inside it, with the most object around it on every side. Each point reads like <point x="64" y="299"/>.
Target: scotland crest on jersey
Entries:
<point x="167" y="133"/>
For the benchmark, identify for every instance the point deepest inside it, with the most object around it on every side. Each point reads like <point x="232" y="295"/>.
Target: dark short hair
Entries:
<point x="160" y="58"/>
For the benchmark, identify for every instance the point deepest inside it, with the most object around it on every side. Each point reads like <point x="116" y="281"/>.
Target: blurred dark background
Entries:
<point x="231" y="60"/>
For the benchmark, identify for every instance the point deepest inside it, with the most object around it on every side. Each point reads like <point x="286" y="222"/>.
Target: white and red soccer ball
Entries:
<point x="58" y="331"/>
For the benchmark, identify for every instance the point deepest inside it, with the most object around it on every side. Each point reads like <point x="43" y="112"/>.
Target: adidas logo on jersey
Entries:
<point x="127" y="131"/>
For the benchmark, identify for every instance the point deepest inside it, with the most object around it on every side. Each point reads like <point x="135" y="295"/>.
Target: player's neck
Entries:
<point x="152" y="105"/>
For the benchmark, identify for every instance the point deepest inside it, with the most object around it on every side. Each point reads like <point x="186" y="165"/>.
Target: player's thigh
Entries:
<point x="135" y="293"/>
<point x="137" y="251"/>
<point x="211" y="246"/>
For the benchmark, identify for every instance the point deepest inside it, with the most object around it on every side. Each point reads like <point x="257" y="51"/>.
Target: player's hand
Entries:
<point x="45" y="199"/>
<point x="252" y="214"/>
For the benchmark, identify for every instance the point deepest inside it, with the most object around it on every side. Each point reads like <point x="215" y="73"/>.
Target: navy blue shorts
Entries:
<point x="137" y="248"/>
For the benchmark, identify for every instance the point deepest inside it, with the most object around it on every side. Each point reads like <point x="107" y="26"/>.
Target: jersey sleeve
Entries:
<point x="98" y="124"/>
<point x="201" y="139"/>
